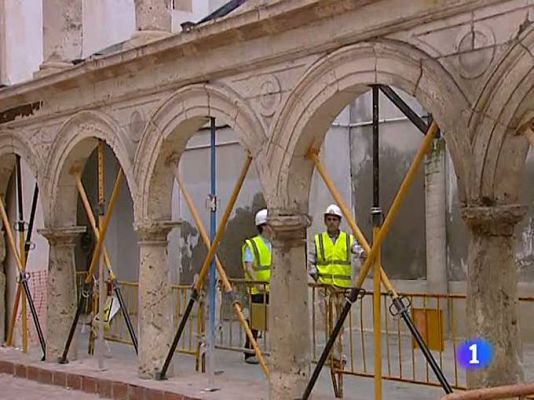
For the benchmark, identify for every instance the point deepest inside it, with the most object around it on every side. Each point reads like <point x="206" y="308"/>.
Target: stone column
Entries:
<point x="492" y="291"/>
<point x="435" y="210"/>
<point x="155" y="324"/>
<point x="61" y="296"/>
<point x="152" y="21"/>
<point x="62" y="35"/>
<point x="289" y="321"/>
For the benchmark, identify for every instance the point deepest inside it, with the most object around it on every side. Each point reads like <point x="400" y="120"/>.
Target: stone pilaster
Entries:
<point x="61" y="297"/>
<point x="152" y="21"/>
<point x="435" y="210"/>
<point x="492" y="291"/>
<point x="155" y="324"/>
<point x="289" y="323"/>
<point x="62" y="35"/>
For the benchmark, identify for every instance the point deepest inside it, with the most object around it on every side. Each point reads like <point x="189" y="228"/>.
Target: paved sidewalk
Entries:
<point x="23" y="389"/>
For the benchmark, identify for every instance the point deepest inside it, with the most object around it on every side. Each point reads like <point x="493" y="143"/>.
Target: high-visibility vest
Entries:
<point x="334" y="260"/>
<point x="261" y="263"/>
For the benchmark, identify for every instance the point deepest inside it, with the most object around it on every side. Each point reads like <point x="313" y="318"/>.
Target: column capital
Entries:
<point x="497" y="220"/>
<point x="290" y="227"/>
<point x="62" y="235"/>
<point x="154" y="231"/>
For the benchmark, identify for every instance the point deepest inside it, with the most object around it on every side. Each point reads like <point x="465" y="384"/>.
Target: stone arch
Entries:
<point x="74" y="143"/>
<point x="170" y="127"/>
<point x="336" y="79"/>
<point x="11" y="144"/>
<point x="504" y="107"/>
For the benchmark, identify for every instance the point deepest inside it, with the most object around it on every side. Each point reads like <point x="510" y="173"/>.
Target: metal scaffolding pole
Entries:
<point x="161" y="375"/>
<point x="376" y="213"/>
<point x="212" y="279"/>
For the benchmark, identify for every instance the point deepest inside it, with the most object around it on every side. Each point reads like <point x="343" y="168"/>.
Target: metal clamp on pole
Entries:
<point x="20" y="226"/>
<point x="399" y="305"/>
<point x="377" y="216"/>
<point x="23" y="276"/>
<point x="212" y="202"/>
<point x="353" y="294"/>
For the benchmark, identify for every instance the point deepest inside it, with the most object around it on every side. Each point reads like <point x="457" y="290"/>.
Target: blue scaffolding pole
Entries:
<point x="213" y="272"/>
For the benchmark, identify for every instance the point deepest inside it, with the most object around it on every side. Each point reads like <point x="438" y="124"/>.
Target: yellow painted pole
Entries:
<point x="11" y="238"/>
<point x="222" y="273"/>
<point x="377" y="330"/>
<point x="92" y="221"/>
<point x="104" y="227"/>
<point x="395" y="206"/>
<point x="13" y="319"/>
<point x="222" y="225"/>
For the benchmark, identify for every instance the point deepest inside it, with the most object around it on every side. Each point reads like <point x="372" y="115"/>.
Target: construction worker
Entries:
<point x="256" y="255"/>
<point x="334" y="261"/>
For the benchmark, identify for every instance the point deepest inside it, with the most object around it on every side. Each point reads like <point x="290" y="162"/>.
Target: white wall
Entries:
<point x="201" y="8"/>
<point x="335" y="156"/>
<point x="24" y="39"/>
<point x="105" y="23"/>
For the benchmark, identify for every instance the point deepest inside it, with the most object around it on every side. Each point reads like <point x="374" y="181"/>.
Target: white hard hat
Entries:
<point x="333" y="209"/>
<point x="261" y="217"/>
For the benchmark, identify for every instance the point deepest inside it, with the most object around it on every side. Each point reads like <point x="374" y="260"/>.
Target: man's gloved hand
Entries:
<point x="358" y="251"/>
<point x="312" y="271"/>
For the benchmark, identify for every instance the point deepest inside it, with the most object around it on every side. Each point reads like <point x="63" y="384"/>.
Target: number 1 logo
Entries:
<point x="473" y="359"/>
<point x="475" y="353"/>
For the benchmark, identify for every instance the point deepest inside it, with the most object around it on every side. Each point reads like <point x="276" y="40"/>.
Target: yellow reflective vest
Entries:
<point x="261" y="263"/>
<point x="334" y="260"/>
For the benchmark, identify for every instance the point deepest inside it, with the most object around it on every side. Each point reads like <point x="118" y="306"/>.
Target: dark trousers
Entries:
<point x="259" y="298"/>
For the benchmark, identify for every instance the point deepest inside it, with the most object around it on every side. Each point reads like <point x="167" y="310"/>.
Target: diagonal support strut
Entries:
<point x="161" y="375"/>
<point x="372" y="252"/>
<point x="222" y="274"/>
<point x="23" y="276"/>
<point x="87" y="285"/>
<point x="107" y="261"/>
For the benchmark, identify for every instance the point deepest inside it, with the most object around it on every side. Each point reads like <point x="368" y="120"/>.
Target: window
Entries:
<point x="182" y="5"/>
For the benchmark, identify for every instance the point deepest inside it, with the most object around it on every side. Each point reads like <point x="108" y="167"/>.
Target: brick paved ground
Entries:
<point x="12" y="388"/>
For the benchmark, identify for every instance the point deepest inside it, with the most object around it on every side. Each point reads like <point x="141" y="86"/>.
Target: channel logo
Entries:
<point x="475" y="354"/>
